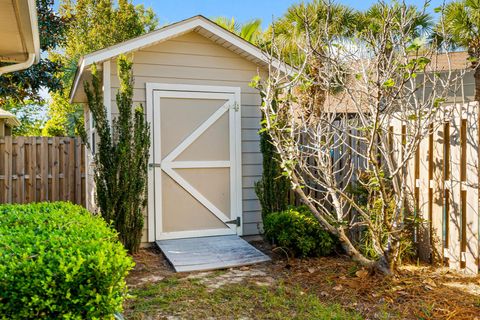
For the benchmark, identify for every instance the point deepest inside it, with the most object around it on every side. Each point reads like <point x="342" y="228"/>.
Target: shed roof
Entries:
<point x="10" y="118"/>
<point x="200" y="24"/>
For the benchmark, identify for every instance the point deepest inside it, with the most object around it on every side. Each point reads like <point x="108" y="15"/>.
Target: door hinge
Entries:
<point x="236" y="106"/>
<point x="154" y="165"/>
<point x="237" y="221"/>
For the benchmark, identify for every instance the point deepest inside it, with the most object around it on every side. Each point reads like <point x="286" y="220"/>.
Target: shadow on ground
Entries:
<point x="283" y="288"/>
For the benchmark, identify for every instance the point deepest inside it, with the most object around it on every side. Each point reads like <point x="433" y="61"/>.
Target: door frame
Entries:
<point x="154" y="220"/>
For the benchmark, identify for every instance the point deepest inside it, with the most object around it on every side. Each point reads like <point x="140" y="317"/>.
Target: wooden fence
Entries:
<point x="444" y="177"/>
<point x="34" y="169"/>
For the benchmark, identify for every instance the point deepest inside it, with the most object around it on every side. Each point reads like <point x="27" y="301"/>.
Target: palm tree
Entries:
<point x="462" y="24"/>
<point x="399" y="18"/>
<point x="324" y="22"/>
<point x="250" y="30"/>
<point x="373" y="19"/>
<point x="311" y="26"/>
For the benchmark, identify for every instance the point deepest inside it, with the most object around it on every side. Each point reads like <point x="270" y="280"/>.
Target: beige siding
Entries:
<point x="194" y="59"/>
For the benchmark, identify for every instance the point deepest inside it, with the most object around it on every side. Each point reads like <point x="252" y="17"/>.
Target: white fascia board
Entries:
<point x="140" y="42"/>
<point x="244" y="45"/>
<point x="176" y="30"/>
<point x="181" y="28"/>
<point x="78" y="76"/>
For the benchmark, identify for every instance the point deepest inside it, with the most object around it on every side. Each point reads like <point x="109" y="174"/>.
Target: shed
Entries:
<point x="193" y="79"/>
<point x="7" y="122"/>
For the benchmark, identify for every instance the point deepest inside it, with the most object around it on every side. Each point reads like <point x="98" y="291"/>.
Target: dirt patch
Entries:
<point x="150" y="266"/>
<point x="417" y="292"/>
<point x="217" y="279"/>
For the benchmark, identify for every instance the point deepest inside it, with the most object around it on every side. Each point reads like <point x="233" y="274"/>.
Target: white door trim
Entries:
<point x="194" y="233"/>
<point x="154" y="91"/>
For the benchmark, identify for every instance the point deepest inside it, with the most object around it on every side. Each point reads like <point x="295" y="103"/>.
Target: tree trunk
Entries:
<point x="476" y="76"/>
<point x="382" y="265"/>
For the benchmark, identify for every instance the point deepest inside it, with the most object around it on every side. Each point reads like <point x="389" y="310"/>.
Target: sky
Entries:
<point x="170" y="11"/>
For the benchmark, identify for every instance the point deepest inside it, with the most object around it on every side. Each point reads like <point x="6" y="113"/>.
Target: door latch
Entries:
<point x="237" y="222"/>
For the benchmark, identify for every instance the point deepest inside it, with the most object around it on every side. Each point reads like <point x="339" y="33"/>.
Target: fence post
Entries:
<point x="7" y="181"/>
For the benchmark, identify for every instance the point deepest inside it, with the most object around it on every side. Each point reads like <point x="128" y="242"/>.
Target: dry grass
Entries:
<point x="301" y="289"/>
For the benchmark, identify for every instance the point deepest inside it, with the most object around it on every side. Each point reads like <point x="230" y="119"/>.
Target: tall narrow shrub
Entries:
<point x="121" y="158"/>
<point x="272" y="190"/>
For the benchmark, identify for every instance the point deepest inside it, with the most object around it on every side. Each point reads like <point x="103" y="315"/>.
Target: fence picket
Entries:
<point x="20" y="168"/>
<point x="472" y="173"/>
<point x="55" y="171"/>
<point x="423" y="185"/>
<point x="454" y="189"/>
<point x="8" y="169"/>
<point x="437" y="190"/>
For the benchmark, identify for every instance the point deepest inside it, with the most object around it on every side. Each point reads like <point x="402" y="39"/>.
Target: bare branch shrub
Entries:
<point x="385" y="73"/>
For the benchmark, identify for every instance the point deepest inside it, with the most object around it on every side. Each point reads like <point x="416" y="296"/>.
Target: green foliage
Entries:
<point x="272" y="190"/>
<point x="297" y="230"/>
<point x="31" y="117"/>
<point x="64" y="118"/>
<point x="93" y="25"/>
<point x="462" y="24"/>
<point x="324" y="22"/>
<point x="366" y="194"/>
<point x="121" y="158"/>
<point x="378" y="17"/>
<point x="57" y="261"/>
<point x="250" y="31"/>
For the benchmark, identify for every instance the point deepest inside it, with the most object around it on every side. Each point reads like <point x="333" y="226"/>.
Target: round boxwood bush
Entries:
<point x="297" y="230"/>
<point x="58" y="261"/>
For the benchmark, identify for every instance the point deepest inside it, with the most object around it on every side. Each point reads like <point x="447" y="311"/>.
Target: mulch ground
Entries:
<point x="416" y="292"/>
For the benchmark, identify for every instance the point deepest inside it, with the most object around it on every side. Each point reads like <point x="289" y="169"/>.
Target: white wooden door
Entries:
<point x="196" y="161"/>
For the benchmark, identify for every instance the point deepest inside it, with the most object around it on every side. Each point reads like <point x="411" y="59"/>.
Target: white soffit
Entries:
<point x="20" y="43"/>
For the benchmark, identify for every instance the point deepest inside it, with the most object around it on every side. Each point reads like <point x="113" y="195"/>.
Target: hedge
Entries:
<point x="58" y="261"/>
<point x="297" y="230"/>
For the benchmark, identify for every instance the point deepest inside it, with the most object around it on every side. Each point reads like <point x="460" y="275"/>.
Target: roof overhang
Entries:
<point x="9" y="118"/>
<point x="198" y="24"/>
<point x="20" y="43"/>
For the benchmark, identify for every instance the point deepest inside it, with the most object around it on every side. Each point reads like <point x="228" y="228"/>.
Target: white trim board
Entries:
<point x="172" y="31"/>
<point x="195" y="233"/>
<point x="231" y="96"/>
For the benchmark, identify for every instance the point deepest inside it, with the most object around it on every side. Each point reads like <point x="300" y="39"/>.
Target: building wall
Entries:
<point x="194" y="59"/>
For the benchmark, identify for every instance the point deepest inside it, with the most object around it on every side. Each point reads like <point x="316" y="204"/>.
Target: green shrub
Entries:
<point x="297" y="230"/>
<point x="57" y="261"/>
